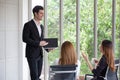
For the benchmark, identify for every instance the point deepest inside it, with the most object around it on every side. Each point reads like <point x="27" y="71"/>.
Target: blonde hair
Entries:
<point x="68" y="54"/>
<point x="108" y="52"/>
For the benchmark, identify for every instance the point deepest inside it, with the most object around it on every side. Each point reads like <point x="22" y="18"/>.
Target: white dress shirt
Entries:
<point x="38" y="26"/>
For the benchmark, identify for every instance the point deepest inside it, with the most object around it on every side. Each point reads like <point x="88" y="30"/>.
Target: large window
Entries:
<point x="69" y="20"/>
<point x="117" y="47"/>
<point x="104" y="25"/>
<point x="86" y="31"/>
<point x="104" y="20"/>
<point x="53" y="27"/>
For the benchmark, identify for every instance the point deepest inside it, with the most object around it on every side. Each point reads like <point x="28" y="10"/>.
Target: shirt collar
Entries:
<point x="36" y="22"/>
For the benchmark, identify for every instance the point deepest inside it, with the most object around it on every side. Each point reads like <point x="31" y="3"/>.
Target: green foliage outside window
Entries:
<point x="104" y="26"/>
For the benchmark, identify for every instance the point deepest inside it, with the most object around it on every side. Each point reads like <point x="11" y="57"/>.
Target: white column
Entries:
<point x="78" y="28"/>
<point x="95" y="28"/>
<point x="45" y="34"/>
<point x="45" y="19"/>
<point x="29" y="9"/>
<point x="113" y="22"/>
<point x="61" y="21"/>
<point x="20" y="50"/>
<point x="26" y="74"/>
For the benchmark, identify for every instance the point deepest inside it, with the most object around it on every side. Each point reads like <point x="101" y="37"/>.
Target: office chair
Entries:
<point x="62" y="72"/>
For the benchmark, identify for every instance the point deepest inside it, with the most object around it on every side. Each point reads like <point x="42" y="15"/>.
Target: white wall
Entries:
<point x="10" y="64"/>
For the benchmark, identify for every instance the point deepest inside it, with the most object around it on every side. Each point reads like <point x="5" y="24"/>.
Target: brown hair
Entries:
<point x="68" y="54"/>
<point x="108" y="52"/>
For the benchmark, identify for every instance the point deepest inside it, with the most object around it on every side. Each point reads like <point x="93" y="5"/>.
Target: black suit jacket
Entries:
<point x="32" y="39"/>
<point x="100" y="69"/>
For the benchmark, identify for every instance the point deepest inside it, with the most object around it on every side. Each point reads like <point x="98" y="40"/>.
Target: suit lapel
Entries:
<point x="36" y="30"/>
<point x="42" y="29"/>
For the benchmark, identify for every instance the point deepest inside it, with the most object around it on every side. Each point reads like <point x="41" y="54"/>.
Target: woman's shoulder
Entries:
<point x="103" y="58"/>
<point x="103" y="61"/>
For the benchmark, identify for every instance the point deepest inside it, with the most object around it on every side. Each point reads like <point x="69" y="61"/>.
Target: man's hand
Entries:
<point x="43" y="43"/>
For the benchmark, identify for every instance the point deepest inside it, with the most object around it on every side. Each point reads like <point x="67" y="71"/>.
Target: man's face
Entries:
<point x="39" y="15"/>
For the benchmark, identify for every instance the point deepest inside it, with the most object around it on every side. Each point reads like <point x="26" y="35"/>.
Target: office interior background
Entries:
<point x="83" y="22"/>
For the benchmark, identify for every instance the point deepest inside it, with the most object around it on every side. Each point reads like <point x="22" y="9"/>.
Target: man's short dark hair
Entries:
<point x="37" y="8"/>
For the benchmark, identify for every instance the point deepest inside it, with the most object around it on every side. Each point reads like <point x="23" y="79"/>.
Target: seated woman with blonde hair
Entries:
<point x="68" y="56"/>
<point x="107" y="59"/>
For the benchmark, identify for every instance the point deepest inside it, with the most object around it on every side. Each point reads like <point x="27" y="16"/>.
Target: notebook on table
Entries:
<point x="52" y="43"/>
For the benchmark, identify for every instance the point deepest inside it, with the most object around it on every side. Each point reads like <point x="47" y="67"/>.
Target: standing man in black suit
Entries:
<point x="32" y="36"/>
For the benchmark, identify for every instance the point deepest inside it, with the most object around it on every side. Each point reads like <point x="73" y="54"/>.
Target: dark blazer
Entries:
<point x="100" y="69"/>
<point x="32" y="39"/>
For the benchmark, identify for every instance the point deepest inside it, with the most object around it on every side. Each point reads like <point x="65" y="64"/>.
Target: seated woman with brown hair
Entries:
<point x="107" y="59"/>
<point x="68" y="56"/>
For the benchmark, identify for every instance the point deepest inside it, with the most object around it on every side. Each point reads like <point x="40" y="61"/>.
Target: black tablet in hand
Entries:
<point x="52" y="43"/>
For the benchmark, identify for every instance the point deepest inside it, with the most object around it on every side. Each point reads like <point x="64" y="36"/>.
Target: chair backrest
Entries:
<point x="110" y="75"/>
<point x="62" y="72"/>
